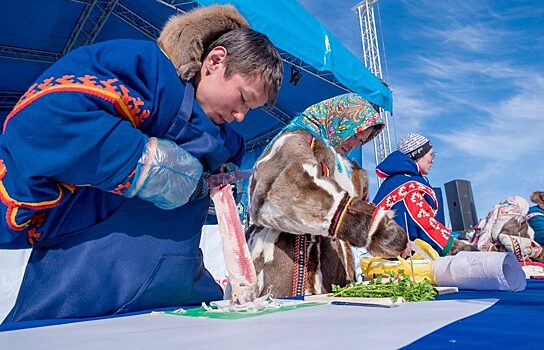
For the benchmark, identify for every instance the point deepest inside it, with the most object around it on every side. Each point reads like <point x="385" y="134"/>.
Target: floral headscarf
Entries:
<point x="338" y="118"/>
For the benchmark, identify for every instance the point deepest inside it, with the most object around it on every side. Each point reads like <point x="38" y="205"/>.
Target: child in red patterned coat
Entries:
<point x="407" y="191"/>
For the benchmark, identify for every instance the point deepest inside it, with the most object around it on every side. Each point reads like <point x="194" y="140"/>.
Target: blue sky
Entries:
<point x="470" y="77"/>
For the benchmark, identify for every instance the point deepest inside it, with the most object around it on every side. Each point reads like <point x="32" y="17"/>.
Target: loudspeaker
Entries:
<point x="461" y="205"/>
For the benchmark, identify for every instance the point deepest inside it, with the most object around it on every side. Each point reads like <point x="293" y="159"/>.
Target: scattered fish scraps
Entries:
<point x="227" y="310"/>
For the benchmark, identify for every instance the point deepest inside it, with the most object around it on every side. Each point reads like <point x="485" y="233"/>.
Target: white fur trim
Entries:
<point x="318" y="278"/>
<point x="270" y="215"/>
<point x="275" y="147"/>
<point x="263" y="243"/>
<point x="347" y="263"/>
<point x="260" y="282"/>
<point x="344" y="178"/>
<point x="252" y="178"/>
<point x="498" y="225"/>
<point x="531" y="232"/>
<point x="329" y="188"/>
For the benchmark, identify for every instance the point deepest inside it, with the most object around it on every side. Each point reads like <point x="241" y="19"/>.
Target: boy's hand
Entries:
<point x="201" y="189"/>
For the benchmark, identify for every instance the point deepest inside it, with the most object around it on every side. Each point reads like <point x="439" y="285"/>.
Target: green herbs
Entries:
<point x="398" y="285"/>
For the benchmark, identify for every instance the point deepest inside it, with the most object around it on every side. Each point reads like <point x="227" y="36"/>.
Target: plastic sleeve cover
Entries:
<point x="166" y="174"/>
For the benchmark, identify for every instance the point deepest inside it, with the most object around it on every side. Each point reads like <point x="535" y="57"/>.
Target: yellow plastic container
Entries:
<point x="422" y="260"/>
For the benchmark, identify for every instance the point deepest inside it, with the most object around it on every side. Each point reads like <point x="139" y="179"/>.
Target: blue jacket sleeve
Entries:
<point x="55" y="144"/>
<point x="88" y="146"/>
<point x="536" y="221"/>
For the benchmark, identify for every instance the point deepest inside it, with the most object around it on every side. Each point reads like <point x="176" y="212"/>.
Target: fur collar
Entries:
<point x="185" y="37"/>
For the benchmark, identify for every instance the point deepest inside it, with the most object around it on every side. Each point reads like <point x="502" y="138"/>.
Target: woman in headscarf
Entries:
<point x="308" y="202"/>
<point x="343" y="122"/>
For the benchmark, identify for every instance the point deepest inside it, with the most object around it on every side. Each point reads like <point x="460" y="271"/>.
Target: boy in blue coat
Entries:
<point x="102" y="165"/>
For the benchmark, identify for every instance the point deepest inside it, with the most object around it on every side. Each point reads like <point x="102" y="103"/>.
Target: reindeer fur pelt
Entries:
<point x="185" y="37"/>
<point x="538" y="199"/>
<point x="296" y="189"/>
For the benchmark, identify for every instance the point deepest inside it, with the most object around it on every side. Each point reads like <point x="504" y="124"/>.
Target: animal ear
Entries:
<point x="356" y="206"/>
<point x="379" y="221"/>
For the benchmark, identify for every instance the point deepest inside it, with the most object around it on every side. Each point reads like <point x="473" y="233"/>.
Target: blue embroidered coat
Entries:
<point x="67" y="155"/>
<point x="412" y="198"/>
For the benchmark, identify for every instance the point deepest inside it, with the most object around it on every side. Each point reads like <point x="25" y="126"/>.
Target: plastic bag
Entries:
<point x="422" y="260"/>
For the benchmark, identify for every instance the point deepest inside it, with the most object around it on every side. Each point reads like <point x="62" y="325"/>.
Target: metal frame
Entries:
<point x="8" y="99"/>
<point x="91" y="21"/>
<point x="325" y="76"/>
<point x="278" y="114"/>
<point x="86" y="2"/>
<point x="262" y="139"/>
<point x="175" y="4"/>
<point x="93" y="18"/>
<point x="136" y="21"/>
<point x="371" y="57"/>
<point x="28" y="54"/>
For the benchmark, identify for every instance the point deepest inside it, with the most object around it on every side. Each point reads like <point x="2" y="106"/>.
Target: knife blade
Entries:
<point x="350" y="303"/>
<point x="227" y="178"/>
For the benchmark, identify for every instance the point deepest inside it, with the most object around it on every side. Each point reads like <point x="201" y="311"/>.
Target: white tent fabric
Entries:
<point x="210" y="243"/>
<point x="12" y="268"/>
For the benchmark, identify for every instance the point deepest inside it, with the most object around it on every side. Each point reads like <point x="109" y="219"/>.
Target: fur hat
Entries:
<point x="414" y="146"/>
<point x="186" y="36"/>
<point x="538" y="199"/>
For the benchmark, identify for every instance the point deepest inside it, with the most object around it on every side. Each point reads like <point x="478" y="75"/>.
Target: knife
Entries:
<point x="227" y="178"/>
<point x="411" y="260"/>
<point x="350" y="303"/>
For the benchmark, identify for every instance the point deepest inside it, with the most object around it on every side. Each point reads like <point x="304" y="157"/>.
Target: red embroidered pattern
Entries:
<point x="300" y="267"/>
<point x="110" y="90"/>
<point x="339" y="214"/>
<point x="36" y="221"/>
<point x="412" y="193"/>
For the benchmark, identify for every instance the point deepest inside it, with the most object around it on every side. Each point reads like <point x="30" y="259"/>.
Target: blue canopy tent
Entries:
<point x="317" y="66"/>
<point x="35" y="34"/>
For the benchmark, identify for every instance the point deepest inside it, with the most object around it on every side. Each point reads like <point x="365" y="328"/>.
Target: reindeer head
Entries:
<point x="461" y="246"/>
<point x="510" y="226"/>
<point x="387" y="238"/>
<point x="381" y="235"/>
